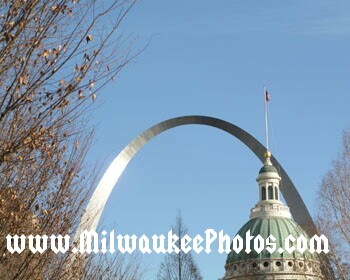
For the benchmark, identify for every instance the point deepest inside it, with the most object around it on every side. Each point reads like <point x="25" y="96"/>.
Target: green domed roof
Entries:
<point x="280" y="228"/>
<point x="268" y="168"/>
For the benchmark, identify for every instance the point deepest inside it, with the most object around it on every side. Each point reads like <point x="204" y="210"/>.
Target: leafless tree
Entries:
<point x="55" y="57"/>
<point x="179" y="266"/>
<point x="334" y="211"/>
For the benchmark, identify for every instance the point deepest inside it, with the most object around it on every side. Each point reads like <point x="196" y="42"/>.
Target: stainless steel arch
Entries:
<point x="110" y="178"/>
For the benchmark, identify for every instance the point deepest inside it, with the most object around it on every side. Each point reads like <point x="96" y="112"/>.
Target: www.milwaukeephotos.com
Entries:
<point x="92" y="242"/>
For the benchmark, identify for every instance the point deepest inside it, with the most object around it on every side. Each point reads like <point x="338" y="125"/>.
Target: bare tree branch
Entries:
<point x="55" y="57"/>
<point x="334" y="212"/>
<point x="179" y="266"/>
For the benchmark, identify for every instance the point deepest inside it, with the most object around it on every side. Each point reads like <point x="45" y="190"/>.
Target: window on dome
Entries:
<point x="270" y="192"/>
<point x="263" y="193"/>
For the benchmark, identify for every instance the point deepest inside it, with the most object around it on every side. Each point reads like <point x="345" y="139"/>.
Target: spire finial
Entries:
<point x="267" y="156"/>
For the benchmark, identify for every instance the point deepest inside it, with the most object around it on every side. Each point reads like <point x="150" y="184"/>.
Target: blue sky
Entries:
<point x="213" y="59"/>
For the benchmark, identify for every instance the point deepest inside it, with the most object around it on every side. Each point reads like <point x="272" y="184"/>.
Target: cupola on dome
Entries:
<point x="268" y="168"/>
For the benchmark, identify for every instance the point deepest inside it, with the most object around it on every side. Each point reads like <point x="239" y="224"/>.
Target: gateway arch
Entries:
<point x="110" y="178"/>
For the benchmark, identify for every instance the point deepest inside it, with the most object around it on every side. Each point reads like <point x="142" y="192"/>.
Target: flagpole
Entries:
<point x="266" y="124"/>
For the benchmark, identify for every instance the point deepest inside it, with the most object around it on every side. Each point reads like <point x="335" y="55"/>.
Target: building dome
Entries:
<point x="270" y="217"/>
<point x="280" y="228"/>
